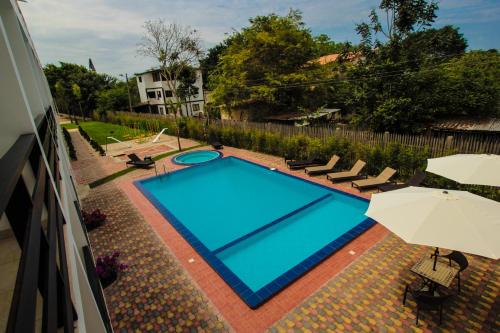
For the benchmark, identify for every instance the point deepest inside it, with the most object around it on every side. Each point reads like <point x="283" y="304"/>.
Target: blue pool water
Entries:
<point x="259" y="229"/>
<point x="196" y="157"/>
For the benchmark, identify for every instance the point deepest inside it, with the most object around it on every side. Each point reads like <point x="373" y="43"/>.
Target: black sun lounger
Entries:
<point x="415" y="180"/>
<point x="217" y="145"/>
<point x="304" y="163"/>
<point x="136" y="161"/>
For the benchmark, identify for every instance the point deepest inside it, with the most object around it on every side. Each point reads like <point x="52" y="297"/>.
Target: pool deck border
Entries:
<point x="221" y="155"/>
<point x="251" y="298"/>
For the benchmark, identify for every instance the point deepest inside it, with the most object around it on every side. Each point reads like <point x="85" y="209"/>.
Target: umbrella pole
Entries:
<point x="436" y="254"/>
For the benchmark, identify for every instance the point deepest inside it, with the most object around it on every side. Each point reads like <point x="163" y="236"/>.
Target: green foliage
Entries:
<point x="416" y="76"/>
<point x="432" y="44"/>
<point x="73" y="84"/>
<point x="98" y="131"/>
<point x="324" y="46"/>
<point x="469" y="85"/>
<point x="209" y="63"/>
<point x="69" y="144"/>
<point x="187" y="88"/>
<point x="403" y="158"/>
<point x="79" y="91"/>
<point x="274" y="51"/>
<point x="112" y="99"/>
<point x="120" y="173"/>
<point x="97" y="147"/>
<point x="403" y="17"/>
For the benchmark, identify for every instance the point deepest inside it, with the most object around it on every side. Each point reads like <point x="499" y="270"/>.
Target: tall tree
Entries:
<point x="394" y="87"/>
<point x="402" y="17"/>
<point x="175" y="48"/>
<point x="324" y="45"/>
<point x="116" y="98"/>
<point x="77" y="93"/>
<point x="65" y="76"/>
<point x="209" y="63"/>
<point x="187" y="87"/>
<point x="266" y="66"/>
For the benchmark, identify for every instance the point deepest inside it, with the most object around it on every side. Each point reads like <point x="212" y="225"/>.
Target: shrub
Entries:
<point x="405" y="159"/>
<point x="97" y="147"/>
<point x="108" y="267"/>
<point x="94" y="219"/>
<point x="69" y="144"/>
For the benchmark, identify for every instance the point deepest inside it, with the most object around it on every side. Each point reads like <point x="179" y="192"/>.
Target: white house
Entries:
<point x="47" y="272"/>
<point x="153" y="88"/>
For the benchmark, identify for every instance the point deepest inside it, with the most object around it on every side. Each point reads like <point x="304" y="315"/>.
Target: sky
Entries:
<point x="108" y="31"/>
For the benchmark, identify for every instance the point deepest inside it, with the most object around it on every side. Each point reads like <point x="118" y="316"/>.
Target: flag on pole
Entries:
<point x="91" y="65"/>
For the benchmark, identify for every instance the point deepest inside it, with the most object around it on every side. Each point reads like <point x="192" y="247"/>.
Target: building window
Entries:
<point x="158" y="94"/>
<point x="196" y="107"/>
<point x="139" y="78"/>
<point x="168" y="93"/>
<point x="156" y="76"/>
<point x="151" y="94"/>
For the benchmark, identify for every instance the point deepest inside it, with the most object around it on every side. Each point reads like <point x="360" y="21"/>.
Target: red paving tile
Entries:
<point x="232" y="308"/>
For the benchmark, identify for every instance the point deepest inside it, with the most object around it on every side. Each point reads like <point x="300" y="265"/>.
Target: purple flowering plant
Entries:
<point x="94" y="219"/>
<point x="109" y="266"/>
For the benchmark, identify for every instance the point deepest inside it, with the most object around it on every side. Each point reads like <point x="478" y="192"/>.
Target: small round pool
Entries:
<point x="196" y="157"/>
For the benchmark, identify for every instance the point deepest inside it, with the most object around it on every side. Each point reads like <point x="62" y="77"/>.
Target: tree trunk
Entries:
<point x="175" y="118"/>
<point x="178" y="131"/>
<point x="81" y="111"/>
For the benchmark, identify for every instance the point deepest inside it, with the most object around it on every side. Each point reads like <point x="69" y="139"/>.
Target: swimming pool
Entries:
<point x="196" y="157"/>
<point x="260" y="229"/>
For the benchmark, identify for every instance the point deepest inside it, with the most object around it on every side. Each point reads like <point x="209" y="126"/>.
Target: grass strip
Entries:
<point x="120" y="173"/>
<point x="69" y="126"/>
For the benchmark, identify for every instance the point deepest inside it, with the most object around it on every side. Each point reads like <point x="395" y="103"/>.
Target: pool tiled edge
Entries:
<point x="251" y="298"/>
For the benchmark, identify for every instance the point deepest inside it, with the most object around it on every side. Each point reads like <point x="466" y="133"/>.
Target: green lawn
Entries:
<point x="99" y="131"/>
<point x="69" y="125"/>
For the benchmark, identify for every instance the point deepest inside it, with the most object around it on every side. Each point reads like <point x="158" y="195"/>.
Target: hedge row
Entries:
<point x="402" y="158"/>
<point x="69" y="143"/>
<point x="97" y="147"/>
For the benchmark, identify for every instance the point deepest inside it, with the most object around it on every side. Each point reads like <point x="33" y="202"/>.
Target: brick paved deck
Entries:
<point x="163" y="288"/>
<point x="367" y="297"/>
<point x="89" y="165"/>
<point x="155" y="294"/>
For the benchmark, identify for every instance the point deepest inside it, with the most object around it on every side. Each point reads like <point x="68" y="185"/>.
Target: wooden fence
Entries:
<point x="438" y="143"/>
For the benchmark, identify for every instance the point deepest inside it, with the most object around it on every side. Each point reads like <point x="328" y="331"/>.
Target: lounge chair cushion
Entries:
<point x="382" y="178"/>
<point x="324" y="168"/>
<point x="353" y="173"/>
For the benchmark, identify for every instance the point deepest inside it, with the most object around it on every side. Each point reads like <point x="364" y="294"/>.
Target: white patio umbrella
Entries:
<point x="474" y="169"/>
<point x="455" y="220"/>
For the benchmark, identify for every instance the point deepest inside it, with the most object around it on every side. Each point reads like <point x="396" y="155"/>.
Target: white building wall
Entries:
<point x="24" y="97"/>
<point x="146" y="84"/>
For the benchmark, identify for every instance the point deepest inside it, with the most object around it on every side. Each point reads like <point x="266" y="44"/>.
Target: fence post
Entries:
<point x="385" y="139"/>
<point x="447" y="143"/>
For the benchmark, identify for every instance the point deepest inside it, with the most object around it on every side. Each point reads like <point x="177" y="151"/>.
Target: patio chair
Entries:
<point x="288" y="158"/>
<point x="299" y="164"/>
<point x="383" y="178"/>
<point x="460" y="260"/>
<point x="217" y="145"/>
<point x="415" y="180"/>
<point x="354" y="173"/>
<point x="136" y="161"/>
<point x="427" y="300"/>
<point x="318" y="170"/>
